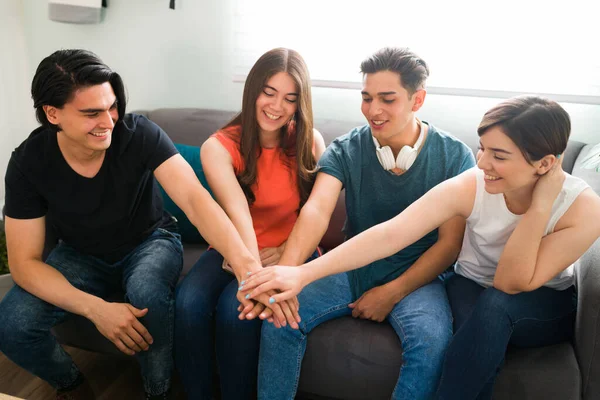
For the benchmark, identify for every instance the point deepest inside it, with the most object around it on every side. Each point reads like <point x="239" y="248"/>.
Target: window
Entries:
<point x="475" y="48"/>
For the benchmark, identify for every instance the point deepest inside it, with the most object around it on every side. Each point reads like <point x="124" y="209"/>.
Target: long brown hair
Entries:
<point x="295" y="142"/>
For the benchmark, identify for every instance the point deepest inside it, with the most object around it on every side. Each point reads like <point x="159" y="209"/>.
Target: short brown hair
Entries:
<point x="538" y="126"/>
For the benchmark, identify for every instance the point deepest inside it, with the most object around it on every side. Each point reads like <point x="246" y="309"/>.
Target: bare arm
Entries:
<point x="452" y="198"/>
<point x="117" y="321"/>
<point x="313" y="220"/>
<point x="376" y="304"/>
<point x="319" y="144"/>
<point x="181" y="184"/>
<point x="449" y="199"/>
<point x="530" y="260"/>
<point x="434" y="261"/>
<point x="25" y="244"/>
<point x="236" y="245"/>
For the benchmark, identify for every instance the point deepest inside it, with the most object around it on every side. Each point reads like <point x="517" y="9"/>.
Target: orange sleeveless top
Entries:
<point x="275" y="209"/>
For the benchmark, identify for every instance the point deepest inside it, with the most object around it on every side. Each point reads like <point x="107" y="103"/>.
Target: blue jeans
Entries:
<point x="206" y="320"/>
<point x="148" y="276"/>
<point x="486" y="321"/>
<point x="422" y="321"/>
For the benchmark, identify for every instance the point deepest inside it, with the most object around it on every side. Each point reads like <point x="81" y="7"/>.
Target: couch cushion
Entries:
<point x="190" y="126"/>
<point x="348" y="358"/>
<point x="591" y="176"/>
<point x="541" y="373"/>
<point x="191" y="254"/>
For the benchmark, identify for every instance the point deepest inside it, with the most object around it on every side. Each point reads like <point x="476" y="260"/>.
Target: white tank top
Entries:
<point x="490" y="225"/>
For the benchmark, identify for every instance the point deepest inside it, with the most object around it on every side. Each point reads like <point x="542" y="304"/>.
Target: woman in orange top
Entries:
<point x="261" y="168"/>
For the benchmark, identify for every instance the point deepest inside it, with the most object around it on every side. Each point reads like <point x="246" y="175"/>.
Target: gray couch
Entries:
<point x="357" y="359"/>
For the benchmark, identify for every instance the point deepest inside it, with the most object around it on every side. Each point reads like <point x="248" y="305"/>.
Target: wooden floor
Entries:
<point x="110" y="377"/>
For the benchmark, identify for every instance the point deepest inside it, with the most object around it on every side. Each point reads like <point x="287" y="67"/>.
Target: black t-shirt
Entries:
<point x="106" y="216"/>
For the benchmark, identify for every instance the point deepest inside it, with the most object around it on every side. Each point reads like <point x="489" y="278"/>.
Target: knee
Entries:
<point x="192" y="307"/>
<point x="273" y="336"/>
<point x="437" y="334"/>
<point x="493" y="302"/>
<point x="17" y="325"/>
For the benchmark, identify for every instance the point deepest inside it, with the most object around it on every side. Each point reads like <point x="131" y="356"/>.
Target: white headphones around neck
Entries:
<point x="406" y="157"/>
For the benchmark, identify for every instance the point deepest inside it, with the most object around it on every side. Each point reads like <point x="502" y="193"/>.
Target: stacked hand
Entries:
<point x="261" y="305"/>
<point x="288" y="281"/>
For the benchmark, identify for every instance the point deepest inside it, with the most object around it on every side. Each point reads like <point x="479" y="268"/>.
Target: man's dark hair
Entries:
<point x="411" y="68"/>
<point x="65" y="71"/>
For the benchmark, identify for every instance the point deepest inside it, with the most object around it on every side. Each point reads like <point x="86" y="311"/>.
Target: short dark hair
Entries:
<point x="65" y="71"/>
<point x="538" y="126"/>
<point x="411" y="68"/>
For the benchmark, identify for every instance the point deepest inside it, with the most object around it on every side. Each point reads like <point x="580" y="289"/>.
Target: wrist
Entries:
<point x="395" y="291"/>
<point x="241" y="270"/>
<point x="89" y="310"/>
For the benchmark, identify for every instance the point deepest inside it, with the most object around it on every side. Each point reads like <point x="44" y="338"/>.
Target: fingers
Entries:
<point x="289" y="315"/>
<point x="256" y="310"/>
<point x="136" y="311"/>
<point x="141" y="335"/>
<point x="278" y="314"/>
<point x="263" y="288"/>
<point x="130" y="343"/>
<point x="280" y="297"/>
<point x="266" y="314"/>
<point x="356" y="310"/>
<point x="257" y="278"/>
<point x="122" y="347"/>
<point x="267" y="254"/>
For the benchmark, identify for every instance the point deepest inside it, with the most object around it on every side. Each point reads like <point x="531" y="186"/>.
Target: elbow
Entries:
<point x="510" y="287"/>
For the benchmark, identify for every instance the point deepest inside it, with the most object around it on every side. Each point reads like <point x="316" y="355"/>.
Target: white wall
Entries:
<point x="183" y="58"/>
<point x="16" y="112"/>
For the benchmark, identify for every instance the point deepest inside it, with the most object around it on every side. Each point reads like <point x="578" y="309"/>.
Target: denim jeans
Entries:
<point x="422" y="321"/>
<point x="206" y="319"/>
<point x="148" y="276"/>
<point x="486" y="321"/>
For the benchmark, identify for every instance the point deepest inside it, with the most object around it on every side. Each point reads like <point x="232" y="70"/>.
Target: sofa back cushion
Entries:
<point x="591" y="176"/>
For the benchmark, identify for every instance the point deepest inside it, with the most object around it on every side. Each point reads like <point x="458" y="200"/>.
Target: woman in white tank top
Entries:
<point x="527" y="225"/>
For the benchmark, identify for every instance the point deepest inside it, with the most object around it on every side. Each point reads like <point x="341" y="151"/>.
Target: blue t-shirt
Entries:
<point x="374" y="195"/>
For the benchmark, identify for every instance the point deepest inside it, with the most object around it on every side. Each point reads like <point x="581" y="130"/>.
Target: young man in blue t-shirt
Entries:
<point x="383" y="166"/>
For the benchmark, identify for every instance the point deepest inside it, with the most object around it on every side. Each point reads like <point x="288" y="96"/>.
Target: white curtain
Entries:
<point x="527" y="46"/>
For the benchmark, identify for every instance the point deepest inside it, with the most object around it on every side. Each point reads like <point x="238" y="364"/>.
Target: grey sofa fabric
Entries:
<point x="357" y="359"/>
<point x="587" y="327"/>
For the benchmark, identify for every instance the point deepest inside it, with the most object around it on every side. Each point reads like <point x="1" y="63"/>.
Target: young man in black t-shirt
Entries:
<point x="89" y="171"/>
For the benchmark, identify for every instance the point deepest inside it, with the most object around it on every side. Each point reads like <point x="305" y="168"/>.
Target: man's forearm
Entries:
<point x="46" y="283"/>
<point x="218" y="230"/>
<point x="305" y="236"/>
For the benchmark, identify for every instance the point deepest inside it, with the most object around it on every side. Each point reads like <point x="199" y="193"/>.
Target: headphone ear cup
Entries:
<point x="386" y="158"/>
<point x="406" y="157"/>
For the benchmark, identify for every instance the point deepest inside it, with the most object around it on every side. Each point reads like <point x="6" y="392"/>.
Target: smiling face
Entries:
<point x="387" y="105"/>
<point x="505" y="167"/>
<point x="86" y="122"/>
<point x="276" y="103"/>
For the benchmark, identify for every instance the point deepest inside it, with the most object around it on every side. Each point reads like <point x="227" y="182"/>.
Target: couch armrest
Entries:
<point x="587" y="327"/>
